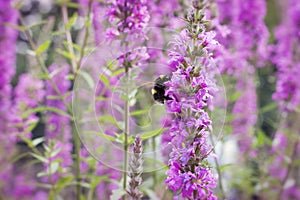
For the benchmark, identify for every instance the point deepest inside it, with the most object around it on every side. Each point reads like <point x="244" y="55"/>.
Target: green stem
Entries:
<point x="126" y="132"/>
<point x="50" y="174"/>
<point x="64" y="12"/>
<point x="77" y="154"/>
<point x="75" y="135"/>
<point x="42" y="64"/>
<point x="75" y="67"/>
<point x="85" y="39"/>
<point x="154" y="152"/>
<point x="223" y="196"/>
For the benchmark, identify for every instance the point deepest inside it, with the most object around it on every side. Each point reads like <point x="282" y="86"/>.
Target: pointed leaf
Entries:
<point x="38" y="141"/>
<point x="43" y="47"/>
<point x="40" y="158"/>
<point x="152" y="133"/>
<point x="63" y="182"/>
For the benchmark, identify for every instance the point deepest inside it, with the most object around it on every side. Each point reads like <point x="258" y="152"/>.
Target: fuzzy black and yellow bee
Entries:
<point x="158" y="91"/>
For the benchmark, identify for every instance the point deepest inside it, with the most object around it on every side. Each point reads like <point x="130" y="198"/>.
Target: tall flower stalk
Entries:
<point x="131" y="17"/>
<point x="136" y="169"/>
<point x="244" y="49"/>
<point x="286" y="143"/>
<point x="191" y="89"/>
<point x="13" y="103"/>
<point x="58" y="129"/>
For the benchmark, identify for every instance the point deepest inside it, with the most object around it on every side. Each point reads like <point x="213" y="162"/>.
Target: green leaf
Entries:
<point x="17" y="5"/>
<point x="32" y="125"/>
<point x="152" y="133"/>
<point x="63" y="182"/>
<point x="27" y="141"/>
<point x="84" y="184"/>
<point x="24" y="28"/>
<point x="55" y="33"/>
<point x="73" y="5"/>
<point x="43" y="47"/>
<point x="262" y="139"/>
<point x="133" y="93"/>
<point x="104" y="79"/>
<point x="87" y="23"/>
<point x="53" y="97"/>
<point x="110" y="119"/>
<point x="110" y="64"/>
<point x="132" y="102"/>
<point x="44" y="76"/>
<point x="121" y="138"/>
<point x="139" y="112"/>
<point x="40" y="158"/>
<point x="82" y="197"/>
<point x="117" y="72"/>
<point x="75" y="46"/>
<point x="19" y="156"/>
<point x="296" y="162"/>
<point x="88" y="79"/>
<point x="19" y="28"/>
<point x="41" y="174"/>
<point x="66" y="54"/>
<point x="124" y="97"/>
<point x="46" y="148"/>
<point x="70" y="77"/>
<point x="101" y="98"/>
<point x="117" y="194"/>
<point x="43" y="109"/>
<point x="54" y="153"/>
<point x="267" y="108"/>
<point x="224" y="167"/>
<point x="52" y="195"/>
<point x="71" y="21"/>
<point x="53" y="168"/>
<point x="155" y="162"/>
<point x="234" y="97"/>
<point x="38" y="141"/>
<point x="107" y="137"/>
<point x="43" y="185"/>
<point x="36" y="24"/>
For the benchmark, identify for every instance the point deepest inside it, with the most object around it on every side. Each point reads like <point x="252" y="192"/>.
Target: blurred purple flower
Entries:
<point x="58" y="126"/>
<point x="29" y="92"/>
<point x="84" y="165"/>
<point x="22" y="189"/>
<point x="105" y="188"/>
<point x="248" y="36"/>
<point x="243" y="49"/>
<point x="245" y="110"/>
<point x="286" y="57"/>
<point x="165" y="14"/>
<point x="8" y="36"/>
<point x="130" y="15"/>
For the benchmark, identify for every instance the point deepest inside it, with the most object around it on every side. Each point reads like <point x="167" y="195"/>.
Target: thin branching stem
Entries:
<point x="75" y="66"/>
<point x="126" y="132"/>
<point x="43" y="66"/>
<point x="64" y="12"/>
<point x="85" y="38"/>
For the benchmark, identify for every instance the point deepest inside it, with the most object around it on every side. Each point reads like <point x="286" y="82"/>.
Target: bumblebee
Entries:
<point x="158" y="91"/>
